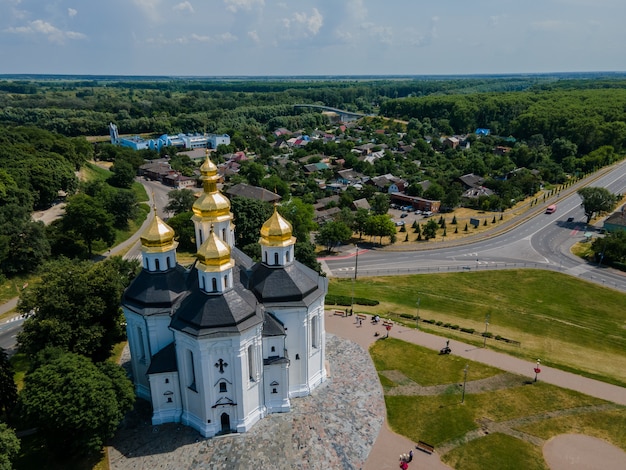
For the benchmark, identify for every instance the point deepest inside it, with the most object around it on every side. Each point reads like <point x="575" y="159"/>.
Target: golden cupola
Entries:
<point x="158" y="236"/>
<point x="214" y="255"/>
<point x="277" y="232"/>
<point x="212" y="204"/>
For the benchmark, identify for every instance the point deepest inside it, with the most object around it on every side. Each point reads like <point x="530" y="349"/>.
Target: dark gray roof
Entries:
<point x="281" y="284"/>
<point x="253" y="192"/>
<point x="272" y="326"/>
<point x="164" y="361"/>
<point x="202" y="314"/>
<point x="156" y="292"/>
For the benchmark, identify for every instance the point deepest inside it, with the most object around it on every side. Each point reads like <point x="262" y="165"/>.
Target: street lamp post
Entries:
<point x="356" y="267"/>
<point x="537" y="369"/>
<point x="464" y="382"/>
<point x="417" y="319"/>
<point x="487" y="317"/>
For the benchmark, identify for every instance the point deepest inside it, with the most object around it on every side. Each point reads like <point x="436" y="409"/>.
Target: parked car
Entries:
<point x="403" y="215"/>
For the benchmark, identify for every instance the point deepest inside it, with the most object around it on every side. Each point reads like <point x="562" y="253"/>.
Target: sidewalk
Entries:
<point x="389" y="445"/>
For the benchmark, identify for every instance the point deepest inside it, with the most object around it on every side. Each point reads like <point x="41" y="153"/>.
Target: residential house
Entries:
<point x="253" y="192"/>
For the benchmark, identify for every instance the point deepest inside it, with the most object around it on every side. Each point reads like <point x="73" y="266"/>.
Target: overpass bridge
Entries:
<point x="345" y="116"/>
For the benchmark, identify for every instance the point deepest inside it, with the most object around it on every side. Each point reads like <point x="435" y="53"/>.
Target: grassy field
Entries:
<point x="568" y="323"/>
<point x="454" y="427"/>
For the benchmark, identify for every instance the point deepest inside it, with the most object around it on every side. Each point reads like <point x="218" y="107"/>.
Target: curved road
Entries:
<point x="541" y="241"/>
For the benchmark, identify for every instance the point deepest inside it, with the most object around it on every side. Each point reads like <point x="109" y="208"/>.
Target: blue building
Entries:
<point x="187" y="141"/>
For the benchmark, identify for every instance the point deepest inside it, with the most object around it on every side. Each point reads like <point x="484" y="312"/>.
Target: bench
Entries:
<point x="361" y="317"/>
<point x="341" y="313"/>
<point x="424" y="447"/>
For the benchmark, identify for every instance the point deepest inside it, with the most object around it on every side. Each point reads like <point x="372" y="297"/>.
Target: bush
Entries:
<point x="439" y="323"/>
<point x="432" y="322"/>
<point x="409" y="316"/>
<point x="455" y="327"/>
<point x="447" y="325"/>
<point x="488" y="334"/>
<point x="468" y="330"/>
<point x="346" y="301"/>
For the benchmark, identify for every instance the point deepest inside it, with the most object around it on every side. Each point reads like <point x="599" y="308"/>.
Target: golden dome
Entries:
<point x="214" y="254"/>
<point x="211" y="203"/>
<point x="158" y="236"/>
<point x="276" y="231"/>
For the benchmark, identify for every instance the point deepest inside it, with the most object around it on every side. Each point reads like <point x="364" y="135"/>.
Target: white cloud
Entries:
<point x="247" y="5"/>
<point x="151" y="8"/>
<point x="551" y="25"/>
<point x="254" y="36"/>
<point x="40" y="27"/>
<point x="381" y="34"/>
<point x="311" y="23"/>
<point x="72" y="12"/>
<point x="218" y="39"/>
<point x="357" y="9"/>
<point x="184" y="6"/>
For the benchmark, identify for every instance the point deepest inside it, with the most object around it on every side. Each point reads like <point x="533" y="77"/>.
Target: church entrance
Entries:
<point x="225" y="419"/>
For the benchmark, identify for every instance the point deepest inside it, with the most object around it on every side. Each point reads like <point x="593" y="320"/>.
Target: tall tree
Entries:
<point x="333" y="233"/>
<point x="184" y="229"/>
<point x="75" y="405"/>
<point x="9" y="446"/>
<point x="76" y="308"/>
<point x="85" y="216"/>
<point x="596" y="201"/>
<point x="8" y="389"/>
<point x="249" y="215"/>
<point x="380" y="226"/>
<point x="380" y="203"/>
<point x="180" y="200"/>
<point x="300" y="214"/>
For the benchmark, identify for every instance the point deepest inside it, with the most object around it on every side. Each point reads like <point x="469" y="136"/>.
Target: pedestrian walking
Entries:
<point x="410" y="455"/>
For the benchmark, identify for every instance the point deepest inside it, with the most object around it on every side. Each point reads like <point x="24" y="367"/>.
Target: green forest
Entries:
<point x="544" y="131"/>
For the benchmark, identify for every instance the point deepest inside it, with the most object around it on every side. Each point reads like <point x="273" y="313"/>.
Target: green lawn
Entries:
<point x="443" y="420"/>
<point x="568" y="323"/>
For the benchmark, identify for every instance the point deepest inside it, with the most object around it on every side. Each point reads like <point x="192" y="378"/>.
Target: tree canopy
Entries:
<point x="75" y="307"/>
<point x="75" y="404"/>
<point x="333" y="233"/>
<point x="8" y="389"/>
<point x="596" y="201"/>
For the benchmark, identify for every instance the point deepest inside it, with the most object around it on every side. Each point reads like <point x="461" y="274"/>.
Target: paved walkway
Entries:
<point x="389" y="445"/>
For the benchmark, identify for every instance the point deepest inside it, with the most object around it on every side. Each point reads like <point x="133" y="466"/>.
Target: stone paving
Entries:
<point x="334" y="428"/>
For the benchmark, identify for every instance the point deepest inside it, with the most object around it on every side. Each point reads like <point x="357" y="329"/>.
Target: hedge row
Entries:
<point x="347" y="301"/>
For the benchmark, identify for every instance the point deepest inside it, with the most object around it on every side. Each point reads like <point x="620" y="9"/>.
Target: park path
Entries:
<point x="390" y="445"/>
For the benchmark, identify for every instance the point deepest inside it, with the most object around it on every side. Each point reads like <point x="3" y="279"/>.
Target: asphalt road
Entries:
<point x="542" y="241"/>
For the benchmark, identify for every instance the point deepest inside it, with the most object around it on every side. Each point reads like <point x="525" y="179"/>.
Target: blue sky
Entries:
<point x="311" y="37"/>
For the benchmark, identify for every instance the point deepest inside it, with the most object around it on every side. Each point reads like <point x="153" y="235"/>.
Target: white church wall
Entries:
<point x="159" y="333"/>
<point x="136" y="332"/>
<point x="166" y="400"/>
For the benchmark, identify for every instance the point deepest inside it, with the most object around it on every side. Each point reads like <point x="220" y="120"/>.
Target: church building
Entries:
<point x="221" y="344"/>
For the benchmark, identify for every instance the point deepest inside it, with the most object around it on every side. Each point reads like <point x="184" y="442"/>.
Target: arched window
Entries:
<point x="226" y="281"/>
<point x="214" y="284"/>
<point x="191" y="371"/>
<point x="265" y="256"/>
<point x="315" y="332"/>
<point x="273" y="349"/>
<point x="251" y="364"/>
<point x="223" y="387"/>
<point x="288" y="256"/>
<point x="168" y="262"/>
<point x="224" y="235"/>
<point x="157" y="265"/>
<point x="141" y="346"/>
<point x="276" y="258"/>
